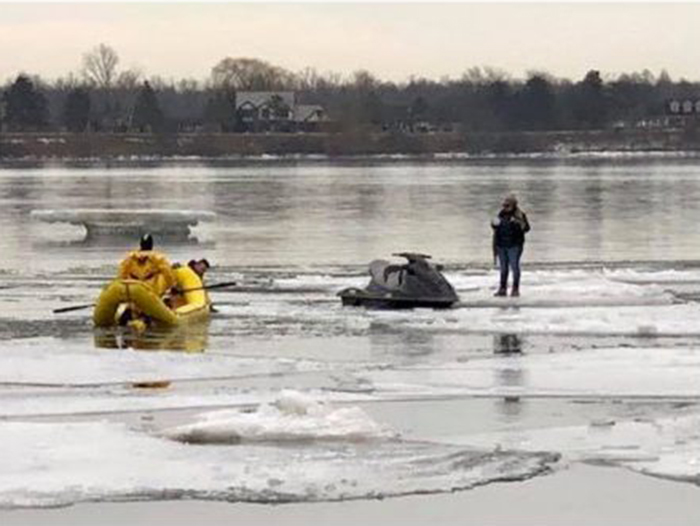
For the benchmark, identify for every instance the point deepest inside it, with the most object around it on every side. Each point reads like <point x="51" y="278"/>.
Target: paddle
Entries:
<point x="74" y="307"/>
<point x="205" y="287"/>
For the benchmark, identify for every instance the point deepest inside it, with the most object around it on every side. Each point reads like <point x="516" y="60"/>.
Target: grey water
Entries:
<point x="322" y="213"/>
<point x="302" y="230"/>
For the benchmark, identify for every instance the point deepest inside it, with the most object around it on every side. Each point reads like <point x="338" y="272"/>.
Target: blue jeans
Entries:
<point x="509" y="259"/>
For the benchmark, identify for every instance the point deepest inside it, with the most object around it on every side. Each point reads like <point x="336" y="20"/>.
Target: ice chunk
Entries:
<point x="293" y="417"/>
<point x="123" y="221"/>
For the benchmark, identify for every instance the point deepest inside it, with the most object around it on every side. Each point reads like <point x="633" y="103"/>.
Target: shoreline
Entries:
<point x="453" y="157"/>
<point x="445" y="146"/>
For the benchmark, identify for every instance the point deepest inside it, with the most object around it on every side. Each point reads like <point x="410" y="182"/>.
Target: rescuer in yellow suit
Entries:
<point x="148" y="266"/>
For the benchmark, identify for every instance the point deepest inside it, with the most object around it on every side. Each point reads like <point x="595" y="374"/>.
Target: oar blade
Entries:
<point x="74" y="307"/>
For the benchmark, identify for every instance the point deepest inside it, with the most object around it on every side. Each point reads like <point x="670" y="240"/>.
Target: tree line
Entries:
<point x="103" y="98"/>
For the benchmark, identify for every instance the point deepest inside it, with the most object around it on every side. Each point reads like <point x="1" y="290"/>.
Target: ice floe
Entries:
<point x="643" y="321"/>
<point x="664" y="447"/>
<point x="58" y="464"/>
<point x="127" y="221"/>
<point x="559" y="301"/>
<point x="489" y="316"/>
<point x="563" y="288"/>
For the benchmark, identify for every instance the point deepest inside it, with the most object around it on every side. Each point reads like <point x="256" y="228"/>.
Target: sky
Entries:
<point x="393" y="41"/>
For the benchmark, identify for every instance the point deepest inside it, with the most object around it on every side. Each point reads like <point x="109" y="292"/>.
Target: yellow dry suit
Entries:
<point x="149" y="267"/>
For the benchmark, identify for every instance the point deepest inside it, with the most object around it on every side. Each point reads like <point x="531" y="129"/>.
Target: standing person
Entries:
<point x="509" y="229"/>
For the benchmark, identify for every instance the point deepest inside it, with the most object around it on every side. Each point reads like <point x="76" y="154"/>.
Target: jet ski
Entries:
<point x="417" y="283"/>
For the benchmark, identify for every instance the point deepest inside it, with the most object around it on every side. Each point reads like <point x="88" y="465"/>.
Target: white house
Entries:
<point x="276" y="111"/>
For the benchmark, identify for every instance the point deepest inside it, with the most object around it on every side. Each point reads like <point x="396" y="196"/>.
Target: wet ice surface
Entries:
<point x="663" y="447"/>
<point x="130" y="465"/>
<point x="50" y="361"/>
<point x="597" y="373"/>
<point x="597" y="361"/>
<point x="627" y="335"/>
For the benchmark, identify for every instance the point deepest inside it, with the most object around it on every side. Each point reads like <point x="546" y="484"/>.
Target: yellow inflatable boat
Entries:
<point x="146" y="305"/>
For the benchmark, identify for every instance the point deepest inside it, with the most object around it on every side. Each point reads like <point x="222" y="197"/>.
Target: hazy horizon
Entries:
<point x="392" y="41"/>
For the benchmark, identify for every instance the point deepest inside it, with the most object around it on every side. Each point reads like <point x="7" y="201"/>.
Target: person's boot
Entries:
<point x="515" y="292"/>
<point x="501" y="292"/>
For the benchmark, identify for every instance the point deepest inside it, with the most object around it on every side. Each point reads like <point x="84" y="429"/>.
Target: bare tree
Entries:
<point x="187" y="85"/>
<point x="68" y="82"/>
<point x="250" y="74"/>
<point x="100" y="65"/>
<point x="363" y="80"/>
<point x="129" y="79"/>
<point x="307" y="78"/>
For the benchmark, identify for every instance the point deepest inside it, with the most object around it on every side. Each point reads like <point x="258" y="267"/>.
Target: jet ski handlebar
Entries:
<point x="411" y="256"/>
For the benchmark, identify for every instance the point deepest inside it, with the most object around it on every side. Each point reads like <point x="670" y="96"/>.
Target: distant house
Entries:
<point x="310" y="117"/>
<point x="683" y="106"/>
<point x="682" y="112"/>
<point x="261" y="111"/>
<point x="674" y="107"/>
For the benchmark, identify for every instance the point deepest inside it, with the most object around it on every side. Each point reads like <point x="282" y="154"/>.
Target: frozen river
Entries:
<point x="296" y="398"/>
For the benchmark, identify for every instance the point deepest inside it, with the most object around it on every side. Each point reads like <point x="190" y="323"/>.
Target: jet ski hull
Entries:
<point x="360" y="298"/>
<point x="417" y="284"/>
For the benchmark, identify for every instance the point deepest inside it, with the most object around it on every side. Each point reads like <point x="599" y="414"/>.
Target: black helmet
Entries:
<point x="147" y="242"/>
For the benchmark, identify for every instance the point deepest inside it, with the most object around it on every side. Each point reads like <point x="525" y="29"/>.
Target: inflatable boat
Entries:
<point x="417" y="283"/>
<point x="132" y="302"/>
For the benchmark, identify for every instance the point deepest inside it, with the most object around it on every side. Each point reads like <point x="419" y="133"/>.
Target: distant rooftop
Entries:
<point x="309" y="113"/>
<point x="261" y="98"/>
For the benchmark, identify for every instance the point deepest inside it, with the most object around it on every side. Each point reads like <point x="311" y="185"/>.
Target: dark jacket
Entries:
<point x="509" y="229"/>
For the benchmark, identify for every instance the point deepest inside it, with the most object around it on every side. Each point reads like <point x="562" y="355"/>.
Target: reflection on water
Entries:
<point x="510" y="374"/>
<point x="123" y="243"/>
<point x="511" y="408"/>
<point x="334" y="213"/>
<point x="507" y="344"/>
<point x="189" y="338"/>
<point x="405" y="343"/>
